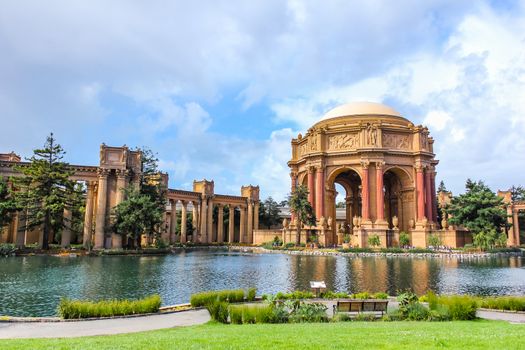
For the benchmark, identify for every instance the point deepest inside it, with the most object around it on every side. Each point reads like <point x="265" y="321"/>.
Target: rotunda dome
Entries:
<point x="360" y="108"/>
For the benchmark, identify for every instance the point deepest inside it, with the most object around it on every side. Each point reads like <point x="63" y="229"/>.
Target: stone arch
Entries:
<point x="398" y="196"/>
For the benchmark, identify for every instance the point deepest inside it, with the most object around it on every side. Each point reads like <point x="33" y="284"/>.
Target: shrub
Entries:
<point x="416" y="312"/>
<point x="218" y="311"/>
<point x="440" y="313"/>
<point x="69" y="309"/>
<point x="249" y="314"/>
<point x="434" y="240"/>
<point x="334" y="295"/>
<point x="404" y="239"/>
<point x="380" y="295"/>
<point x="250" y="296"/>
<point x="362" y="295"/>
<point x="289" y="245"/>
<point x="392" y="250"/>
<point x="374" y="241"/>
<point x="356" y="250"/>
<point x="297" y="294"/>
<point x="460" y="307"/>
<point x="309" y="312"/>
<point x="365" y="317"/>
<point x="503" y="303"/>
<point x="236" y="314"/>
<point x="432" y="300"/>
<point x="7" y="249"/>
<point x="204" y="298"/>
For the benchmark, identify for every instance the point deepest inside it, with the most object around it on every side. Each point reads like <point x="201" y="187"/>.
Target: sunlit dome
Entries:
<point x="360" y="108"/>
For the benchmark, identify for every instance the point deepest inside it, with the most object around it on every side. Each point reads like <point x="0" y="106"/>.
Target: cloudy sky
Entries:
<point x="218" y="88"/>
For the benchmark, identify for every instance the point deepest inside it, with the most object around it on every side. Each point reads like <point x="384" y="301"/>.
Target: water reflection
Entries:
<point x="34" y="285"/>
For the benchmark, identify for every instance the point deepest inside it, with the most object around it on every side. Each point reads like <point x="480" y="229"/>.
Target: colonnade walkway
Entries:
<point x="71" y="329"/>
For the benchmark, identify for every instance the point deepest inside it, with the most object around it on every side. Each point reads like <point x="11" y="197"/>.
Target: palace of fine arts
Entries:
<point x="262" y="175"/>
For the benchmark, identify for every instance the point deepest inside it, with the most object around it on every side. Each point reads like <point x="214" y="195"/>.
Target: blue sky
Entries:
<point x="218" y="88"/>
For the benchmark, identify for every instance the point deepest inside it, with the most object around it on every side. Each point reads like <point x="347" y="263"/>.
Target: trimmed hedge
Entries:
<point x="69" y="309"/>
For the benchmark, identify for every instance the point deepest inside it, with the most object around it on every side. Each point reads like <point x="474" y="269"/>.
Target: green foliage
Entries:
<point x="44" y="190"/>
<point x="503" y="303"/>
<point x="362" y="295"/>
<point x="301" y="207"/>
<point x="69" y="309"/>
<point x="218" y="310"/>
<point x="416" y="312"/>
<point x="461" y="307"/>
<point x="269" y="213"/>
<point x="289" y="245"/>
<point x="254" y="313"/>
<point x="347" y="238"/>
<point x="7" y="204"/>
<point x="356" y="250"/>
<point x="404" y="239"/>
<point x="309" y="312"/>
<point x="481" y="211"/>
<point x="7" y="249"/>
<point x="334" y="295"/>
<point x="204" y="298"/>
<point x="374" y="241"/>
<point x="380" y="295"/>
<point x="295" y="295"/>
<point x="517" y="193"/>
<point x="250" y="296"/>
<point x="434" y="240"/>
<point x="136" y="215"/>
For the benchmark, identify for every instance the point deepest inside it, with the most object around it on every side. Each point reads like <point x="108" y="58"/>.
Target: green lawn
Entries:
<point x="345" y="335"/>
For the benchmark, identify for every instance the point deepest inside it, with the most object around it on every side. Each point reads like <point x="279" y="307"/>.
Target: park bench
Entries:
<point x="361" y="305"/>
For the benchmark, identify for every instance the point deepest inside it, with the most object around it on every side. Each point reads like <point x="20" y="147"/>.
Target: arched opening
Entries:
<point x="343" y="200"/>
<point x="398" y="198"/>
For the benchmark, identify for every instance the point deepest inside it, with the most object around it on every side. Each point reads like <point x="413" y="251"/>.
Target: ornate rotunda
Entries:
<point x="386" y="166"/>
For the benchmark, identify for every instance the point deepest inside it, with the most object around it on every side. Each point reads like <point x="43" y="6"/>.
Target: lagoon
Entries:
<point x="33" y="285"/>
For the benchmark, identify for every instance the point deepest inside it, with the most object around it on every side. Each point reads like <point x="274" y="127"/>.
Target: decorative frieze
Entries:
<point x="343" y="141"/>
<point x="396" y="141"/>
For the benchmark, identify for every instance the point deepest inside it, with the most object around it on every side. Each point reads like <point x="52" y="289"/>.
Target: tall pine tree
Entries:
<point x="44" y="189"/>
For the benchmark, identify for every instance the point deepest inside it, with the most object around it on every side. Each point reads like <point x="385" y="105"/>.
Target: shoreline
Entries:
<point x="261" y="250"/>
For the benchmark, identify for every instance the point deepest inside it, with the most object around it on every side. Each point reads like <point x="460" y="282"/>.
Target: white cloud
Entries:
<point x="437" y="120"/>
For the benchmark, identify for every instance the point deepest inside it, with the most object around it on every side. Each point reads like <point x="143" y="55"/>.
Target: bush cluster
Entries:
<point x="69" y="309"/>
<point x="7" y="249"/>
<point x="503" y="303"/>
<point x="231" y="296"/>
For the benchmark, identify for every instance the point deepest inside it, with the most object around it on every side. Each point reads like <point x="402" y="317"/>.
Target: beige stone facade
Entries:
<point x="119" y="168"/>
<point x="385" y="164"/>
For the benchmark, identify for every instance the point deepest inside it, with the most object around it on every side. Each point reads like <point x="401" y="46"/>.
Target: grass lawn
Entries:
<point x="479" y="334"/>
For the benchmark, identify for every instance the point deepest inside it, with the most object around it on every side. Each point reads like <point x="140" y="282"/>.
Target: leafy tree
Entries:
<point x="517" y="193"/>
<point x="404" y="239"/>
<point x="302" y="209"/>
<point x="136" y="215"/>
<point x="269" y="213"/>
<point x="374" y="241"/>
<point x="481" y="211"/>
<point x="340" y="205"/>
<point x="143" y="209"/>
<point x="283" y="203"/>
<point x="45" y="189"/>
<point x="7" y="204"/>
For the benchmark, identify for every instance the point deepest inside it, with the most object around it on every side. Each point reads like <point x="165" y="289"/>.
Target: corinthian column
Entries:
<point x="173" y="222"/>
<point x="365" y="193"/>
<point x="242" y="225"/>
<point x="231" y="223"/>
<point x="88" y="216"/>
<point x="420" y="190"/>
<point x="319" y="193"/>
<point x="116" y="239"/>
<point x="100" y="224"/>
<point x="220" y="223"/>
<point x="66" y="232"/>
<point x="195" y="220"/>
<point x="204" y="226"/>
<point x="183" y="228"/>
<point x="256" y="216"/>
<point x="429" y="197"/>
<point x="311" y="186"/>
<point x="209" y="233"/>
<point x="380" y="196"/>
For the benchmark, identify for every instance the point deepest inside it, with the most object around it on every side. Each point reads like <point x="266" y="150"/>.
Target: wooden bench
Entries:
<point x="361" y="305"/>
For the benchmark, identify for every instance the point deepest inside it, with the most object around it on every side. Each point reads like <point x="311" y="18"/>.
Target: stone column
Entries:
<point x="428" y="196"/>
<point x="365" y="193"/>
<point x="249" y="226"/>
<point x="66" y="231"/>
<point x="100" y="223"/>
<point x="116" y="239"/>
<point x="420" y="190"/>
<point x="88" y="216"/>
<point x="209" y="230"/>
<point x="220" y="223"/>
<point x="434" y="196"/>
<point x="242" y="226"/>
<point x="311" y="186"/>
<point x="173" y="223"/>
<point x="195" y="220"/>
<point x="21" y="230"/>
<point x="293" y="176"/>
<point x="231" y="224"/>
<point x="515" y="233"/>
<point x="319" y="193"/>
<point x="183" y="228"/>
<point x="256" y="216"/>
<point x="204" y="217"/>
<point x="380" y="195"/>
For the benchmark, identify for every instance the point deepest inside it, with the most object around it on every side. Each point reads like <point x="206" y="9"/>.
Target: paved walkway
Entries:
<point x="101" y="327"/>
<point x="153" y="322"/>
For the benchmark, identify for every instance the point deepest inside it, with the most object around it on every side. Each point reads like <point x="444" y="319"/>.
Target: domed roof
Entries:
<point x="360" y="108"/>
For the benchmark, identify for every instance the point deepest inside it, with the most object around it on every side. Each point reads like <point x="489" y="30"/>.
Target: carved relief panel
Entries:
<point x="396" y="141"/>
<point x="343" y="141"/>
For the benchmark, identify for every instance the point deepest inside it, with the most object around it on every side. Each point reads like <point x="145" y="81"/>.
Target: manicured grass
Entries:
<point x="478" y="334"/>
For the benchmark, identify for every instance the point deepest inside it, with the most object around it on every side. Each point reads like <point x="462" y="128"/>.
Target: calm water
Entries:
<point x="32" y="286"/>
